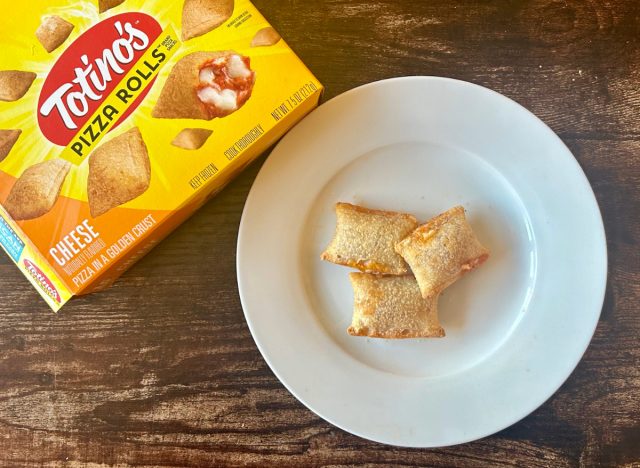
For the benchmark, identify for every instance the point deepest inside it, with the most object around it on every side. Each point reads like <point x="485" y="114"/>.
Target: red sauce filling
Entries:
<point x="242" y="86"/>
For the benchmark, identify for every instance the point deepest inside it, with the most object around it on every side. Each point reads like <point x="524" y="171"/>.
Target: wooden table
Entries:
<point x="162" y="370"/>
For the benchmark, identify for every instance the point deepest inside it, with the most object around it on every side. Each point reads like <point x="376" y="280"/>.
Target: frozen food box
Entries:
<point x="120" y="118"/>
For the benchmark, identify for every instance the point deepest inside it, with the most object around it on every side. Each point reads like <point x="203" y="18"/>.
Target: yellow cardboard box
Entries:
<point x="119" y="118"/>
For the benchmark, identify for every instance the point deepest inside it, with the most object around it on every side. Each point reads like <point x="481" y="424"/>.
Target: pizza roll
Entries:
<point x="119" y="171"/>
<point x="15" y="84"/>
<point x="392" y="307"/>
<point x="202" y="16"/>
<point x="365" y="239"/>
<point x="37" y="189"/>
<point x="266" y="37"/>
<point x="192" y="138"/>
<point x="206" y="85"/>
<point x="53" y="31"/>
<point x="442" y="250"/>
<point x="8" y="138"/>
<point x="104" y="5"/>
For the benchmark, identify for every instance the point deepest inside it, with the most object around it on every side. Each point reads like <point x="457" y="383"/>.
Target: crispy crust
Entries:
<point x="105" y="5"/>
<point x="119" y="171"/>
<point x="192" y="138"/>
<point x="178" y="99"/>
<point x="37" y="190"/>
<point x="8" y="138"/>
<point x="52" y="32"/>
<point x="442" y="250"/>
<point x="364" y="239"/>
<point x="202" y="16"/>
<point x="14" y="84"/>
<point x="265" y="37"/>
<point x="392" y="307"/>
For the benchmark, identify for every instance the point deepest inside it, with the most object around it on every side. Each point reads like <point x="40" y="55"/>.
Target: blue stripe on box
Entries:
<point x="10" y="241"/>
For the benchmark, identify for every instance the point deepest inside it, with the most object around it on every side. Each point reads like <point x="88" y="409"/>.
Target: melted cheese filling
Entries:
<point x="236" y="68"/>
<point x="225" y="100"/>
<point x="212" y="91"/>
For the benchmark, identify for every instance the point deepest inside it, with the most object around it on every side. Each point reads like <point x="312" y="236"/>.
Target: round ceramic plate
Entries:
<point x="516" y="327"/>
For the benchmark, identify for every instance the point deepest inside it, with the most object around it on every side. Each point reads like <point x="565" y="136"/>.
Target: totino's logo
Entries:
<point x="45" y="284"/>
<point x="89" y="70"/>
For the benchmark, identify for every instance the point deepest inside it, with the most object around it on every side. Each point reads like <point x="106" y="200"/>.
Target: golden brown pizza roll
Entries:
<point x="8" y="138"/>
<point x="53" y="31"/>
<point x="201" y="16"/>
<point x="392" y="307"/>
<point x="104" y="5"/>
<point x="266" y="37"/>
<point x="192" y="138"/>
<point x="14" y="84"/>
<point x="119" y="171"/>
<point x="442" y="250"/>
<point x="365" y="239"/>
<point x="37" y="189"/>
<point x="206" y="85"/>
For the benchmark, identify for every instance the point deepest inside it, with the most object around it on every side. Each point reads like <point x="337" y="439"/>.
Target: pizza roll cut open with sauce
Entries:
<point x="392" y="307"/>
<point x="202" y="16"/>
<point x="365" y="239"/>
<point x="206" y="85"/>
<point x="14" y="84"/>
<point x="37" y="190"/>
<point x="8" y="138"/>
<point x="105" y="5"/>
<point x="119" y="171"/>
<point x="442" y="250"/>
<point x="266" y="37"/>
<point x="52" y="32"/>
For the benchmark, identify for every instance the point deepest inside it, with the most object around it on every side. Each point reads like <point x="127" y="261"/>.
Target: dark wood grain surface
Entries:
<point x="161" y="369"/>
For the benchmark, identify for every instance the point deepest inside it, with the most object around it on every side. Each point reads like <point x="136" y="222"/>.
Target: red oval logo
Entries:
<point x="89" y="70"/>
<point x="45" y="284"/>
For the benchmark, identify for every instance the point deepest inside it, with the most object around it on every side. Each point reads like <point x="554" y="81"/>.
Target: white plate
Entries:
<point x="516" y="327"/>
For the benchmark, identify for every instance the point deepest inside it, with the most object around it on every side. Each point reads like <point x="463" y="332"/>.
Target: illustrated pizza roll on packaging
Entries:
<point x="442" y="250"/>
<point x="192" y="138"/>
<point x="105" y="5"/>
<point x="119" y="171"/>
<point x="392" y="307"/>
<point x="120" y="118"/>
<point x="202" y="16"/>
<point x="14" y="84"/>
<point x="206" y="85"/>
<point x="37" y="190"/>
<point x="53" y="31"/>
<point x="365" y="239"/>
<point x="8" y="139"/>
<point x="265" y="37"/>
